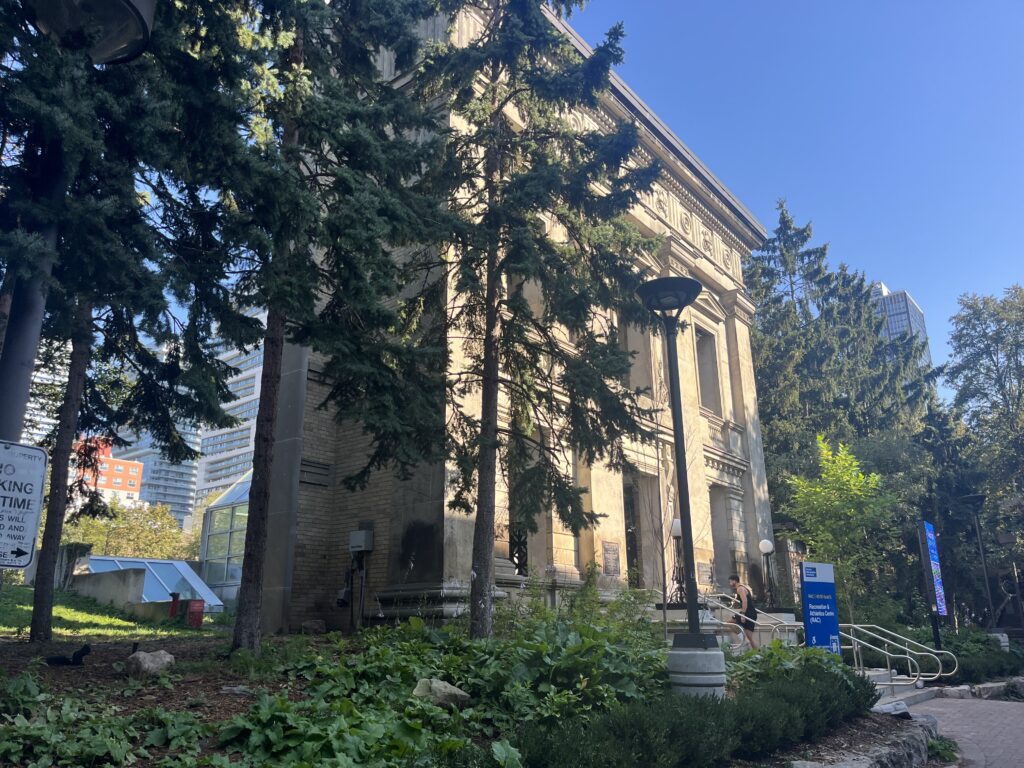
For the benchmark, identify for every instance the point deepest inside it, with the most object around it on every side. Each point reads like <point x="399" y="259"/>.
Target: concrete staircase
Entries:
<point x="894" y="687"/>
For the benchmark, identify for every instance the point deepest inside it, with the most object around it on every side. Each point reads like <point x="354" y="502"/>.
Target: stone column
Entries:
<point x="756" y="505"/>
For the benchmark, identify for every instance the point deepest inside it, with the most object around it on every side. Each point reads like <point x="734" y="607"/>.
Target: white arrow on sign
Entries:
<point x="22" y="477"/>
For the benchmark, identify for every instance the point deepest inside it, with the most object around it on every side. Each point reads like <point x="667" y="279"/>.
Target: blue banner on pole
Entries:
<point x="938" y="594"/>
<point x="821" y="613"/>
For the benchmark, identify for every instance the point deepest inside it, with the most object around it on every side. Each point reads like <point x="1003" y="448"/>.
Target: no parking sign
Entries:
<point x="22" y="477"/>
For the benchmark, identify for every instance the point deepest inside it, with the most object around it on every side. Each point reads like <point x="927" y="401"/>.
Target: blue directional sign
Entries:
<point x="935" y="591"/>
<point x="821" y="613"/>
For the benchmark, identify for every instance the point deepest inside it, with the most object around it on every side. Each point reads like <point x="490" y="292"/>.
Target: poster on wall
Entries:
<point x="821" y="613"/>
<point x="930" y="547"/>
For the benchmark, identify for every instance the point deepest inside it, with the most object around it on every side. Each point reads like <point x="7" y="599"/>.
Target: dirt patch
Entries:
<point x="194" y="683"/>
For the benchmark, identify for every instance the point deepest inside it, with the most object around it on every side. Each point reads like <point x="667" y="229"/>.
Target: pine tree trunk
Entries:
<point x="481" y="593"/>
<point x="249" y="619"/>
<point x="481" y="588"/>
<point x="24" y="321"/>
<point x="6" y="294"/>
<point x="60" y="461"/>
<point x="248" y="622"/>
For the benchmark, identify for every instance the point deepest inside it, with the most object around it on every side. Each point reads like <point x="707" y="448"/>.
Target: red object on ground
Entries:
<point x="196" y="609"/>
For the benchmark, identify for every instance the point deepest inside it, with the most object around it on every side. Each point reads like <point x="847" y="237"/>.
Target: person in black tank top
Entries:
<point x="746" y="622"/>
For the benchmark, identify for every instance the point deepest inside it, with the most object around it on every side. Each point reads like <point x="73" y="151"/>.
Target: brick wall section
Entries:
<point x="326" y="515"/>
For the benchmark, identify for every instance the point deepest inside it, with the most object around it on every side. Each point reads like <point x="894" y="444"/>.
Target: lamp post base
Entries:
<point x="696" y="666"/>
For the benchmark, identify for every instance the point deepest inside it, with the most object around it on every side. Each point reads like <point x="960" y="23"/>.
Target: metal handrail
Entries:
<point x="722" y="606"/>
<point x="909" y="642"/>
<point x="885" y="636"/>
<point x="855" y="647"/>
<point x="855" y="628"/>
<point x="856" y="641"/>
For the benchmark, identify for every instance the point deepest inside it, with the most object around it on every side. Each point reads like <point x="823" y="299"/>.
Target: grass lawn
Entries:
<point x="78" y="618"/>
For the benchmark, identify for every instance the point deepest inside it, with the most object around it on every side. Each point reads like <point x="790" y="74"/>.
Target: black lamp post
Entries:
<point x="116" y="31"/>
<point x="668" y="297"/>
<point x="979" y="499"/>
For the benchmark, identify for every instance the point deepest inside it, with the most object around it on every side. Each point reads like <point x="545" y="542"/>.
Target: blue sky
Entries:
<point x="895" y="126"/>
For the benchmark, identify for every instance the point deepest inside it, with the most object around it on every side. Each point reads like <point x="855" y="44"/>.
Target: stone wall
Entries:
<point x="117" y="588"/>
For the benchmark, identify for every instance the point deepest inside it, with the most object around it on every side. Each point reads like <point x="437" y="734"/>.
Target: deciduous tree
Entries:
<point x="845" y="517"/>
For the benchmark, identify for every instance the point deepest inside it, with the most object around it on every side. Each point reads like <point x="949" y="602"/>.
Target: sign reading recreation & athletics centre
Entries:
<point x="22" y="476"/>
<point x="821" y="613"/>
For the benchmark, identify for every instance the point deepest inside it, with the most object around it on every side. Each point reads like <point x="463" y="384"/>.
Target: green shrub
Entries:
<point x="670" y="732"/>
<point x="784" y="696"/>
<point x="978" y="653"/>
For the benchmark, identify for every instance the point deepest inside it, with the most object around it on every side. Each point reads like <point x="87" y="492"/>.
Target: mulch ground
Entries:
<point x="854" y="737"/>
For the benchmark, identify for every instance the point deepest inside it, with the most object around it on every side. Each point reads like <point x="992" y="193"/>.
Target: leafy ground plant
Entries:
<point x="943" y="750"/>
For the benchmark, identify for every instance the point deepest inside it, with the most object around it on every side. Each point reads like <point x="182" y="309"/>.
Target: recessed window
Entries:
<point x="707" y="372"/>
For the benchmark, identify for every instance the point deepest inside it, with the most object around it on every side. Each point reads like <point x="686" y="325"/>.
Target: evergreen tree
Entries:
<point x="542" y="269"/>
<point x="109" y="255"/>
<point x="822" y="362"/>
<point x="357" y="162"/>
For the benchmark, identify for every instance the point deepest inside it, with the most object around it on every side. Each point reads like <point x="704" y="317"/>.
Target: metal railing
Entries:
<point x="887" y="636"/>
<point x="891" y="645"/>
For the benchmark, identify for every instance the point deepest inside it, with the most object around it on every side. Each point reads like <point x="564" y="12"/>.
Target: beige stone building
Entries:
<point x="420" y="561"/>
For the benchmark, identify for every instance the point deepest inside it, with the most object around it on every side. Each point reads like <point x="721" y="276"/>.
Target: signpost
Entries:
<point x="821" y="613"/>
<point x="936" y="593"/>
<point x="22" y="477"/>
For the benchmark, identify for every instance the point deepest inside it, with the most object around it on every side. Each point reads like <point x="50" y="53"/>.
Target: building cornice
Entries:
<point x="711" y="185"/>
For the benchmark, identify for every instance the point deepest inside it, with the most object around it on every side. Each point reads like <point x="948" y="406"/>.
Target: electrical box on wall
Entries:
<point x="360" y="541"/>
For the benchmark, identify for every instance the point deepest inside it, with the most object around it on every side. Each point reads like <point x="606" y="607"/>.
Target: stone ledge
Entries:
<point x="908" y="748"/>
<point x="993" y="690"/>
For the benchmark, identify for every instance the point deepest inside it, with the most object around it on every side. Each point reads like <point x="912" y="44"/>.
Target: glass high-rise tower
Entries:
<point x="902" y="315"/>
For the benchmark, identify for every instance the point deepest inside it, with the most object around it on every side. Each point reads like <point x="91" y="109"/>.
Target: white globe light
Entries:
<point x="766" y="546"/>
<point x="677" y="528"/>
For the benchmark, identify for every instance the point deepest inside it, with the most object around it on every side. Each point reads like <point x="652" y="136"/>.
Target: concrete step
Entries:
<point x="911" y="697"/>
<point x="903" y="680"/>
<point x="878" y="675"/>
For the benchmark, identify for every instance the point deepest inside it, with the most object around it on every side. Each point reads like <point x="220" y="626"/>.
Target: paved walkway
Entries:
<point x="990" y="733"/>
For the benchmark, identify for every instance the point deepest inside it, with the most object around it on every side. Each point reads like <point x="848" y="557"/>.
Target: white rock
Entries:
<point x="141" y="664"/>
<point x="895" y="708"/>
<point x="990" y="690"/>
<point x="441" y="693"/>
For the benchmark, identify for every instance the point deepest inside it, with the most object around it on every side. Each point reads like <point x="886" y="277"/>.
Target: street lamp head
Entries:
<point x="669" y="294"/>
<point x="766" y="546"/>
<point x="117" y="30"/>
<point x="677" y="529"/>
